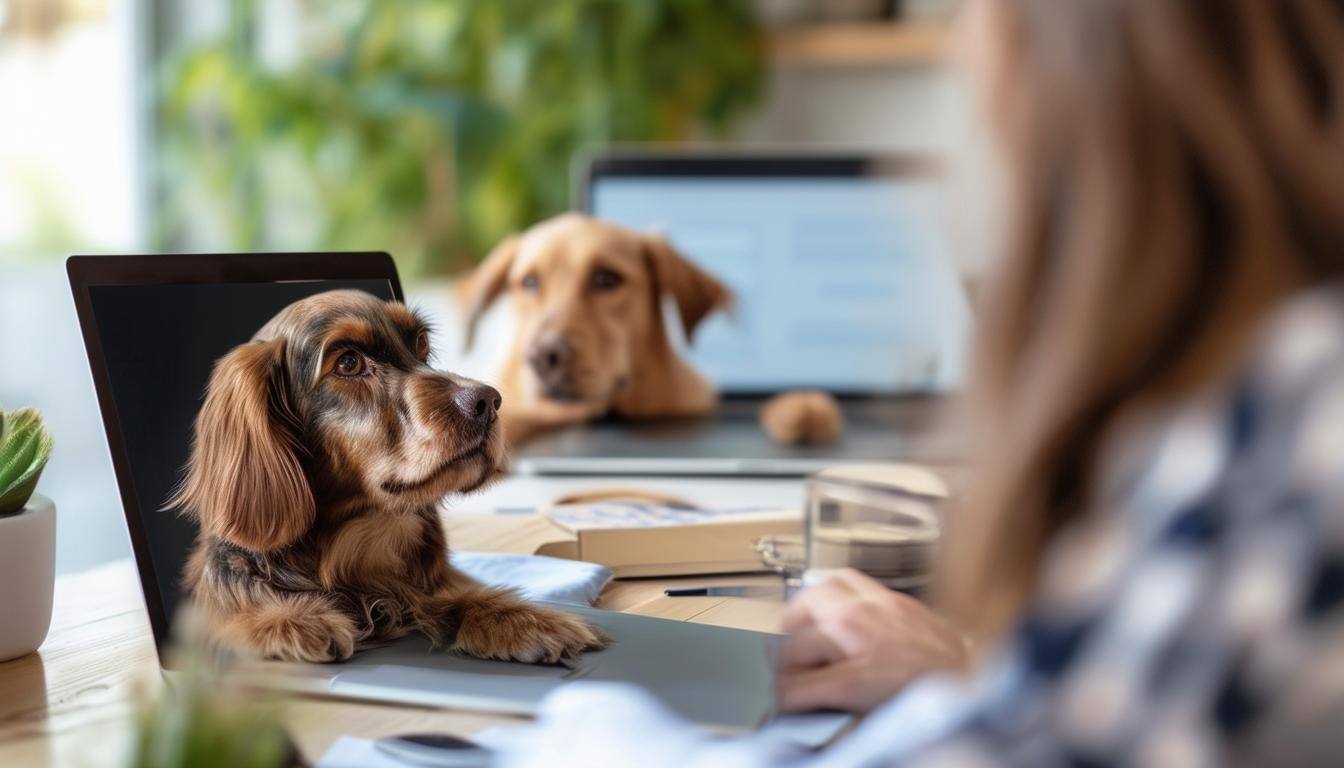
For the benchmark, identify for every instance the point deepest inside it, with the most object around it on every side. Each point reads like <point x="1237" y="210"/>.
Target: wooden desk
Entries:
<point x="73" y="702"/>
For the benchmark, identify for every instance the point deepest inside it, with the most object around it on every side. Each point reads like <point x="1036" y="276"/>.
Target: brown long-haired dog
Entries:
<point x="321" y="452"/>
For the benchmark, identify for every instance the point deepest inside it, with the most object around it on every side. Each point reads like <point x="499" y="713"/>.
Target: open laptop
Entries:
<point x="153" y="327"/>
<point x="842" y="283"/>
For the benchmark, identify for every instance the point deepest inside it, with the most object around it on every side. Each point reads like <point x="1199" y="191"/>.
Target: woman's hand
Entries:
<point x="853" y="644"/>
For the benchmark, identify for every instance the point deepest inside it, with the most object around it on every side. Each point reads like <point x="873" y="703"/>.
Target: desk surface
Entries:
<point x="72" y="702"/>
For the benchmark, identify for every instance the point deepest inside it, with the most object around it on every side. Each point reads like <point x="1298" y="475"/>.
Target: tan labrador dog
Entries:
<point x="590" y="338"/>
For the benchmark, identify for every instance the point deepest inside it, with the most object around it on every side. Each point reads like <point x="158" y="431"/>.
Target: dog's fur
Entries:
<point x="320" y="455"/>
<point x="590" y="339"/>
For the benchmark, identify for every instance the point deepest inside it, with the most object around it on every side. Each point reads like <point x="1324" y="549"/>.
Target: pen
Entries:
<point x="743" y="591"/>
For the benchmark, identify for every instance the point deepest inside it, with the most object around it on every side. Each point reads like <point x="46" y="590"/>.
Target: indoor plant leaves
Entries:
<point x="25" y="447"/>
<point x="432" y="130"/>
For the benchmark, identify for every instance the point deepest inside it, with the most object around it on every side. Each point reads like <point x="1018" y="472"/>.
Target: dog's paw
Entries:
<point x="297" y="630"/>
<point x="805" y="417"/>
<point x="526" y="633"/>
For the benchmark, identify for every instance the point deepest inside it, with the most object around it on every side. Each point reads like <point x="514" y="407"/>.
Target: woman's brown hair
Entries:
<point x="1175" y="168"/>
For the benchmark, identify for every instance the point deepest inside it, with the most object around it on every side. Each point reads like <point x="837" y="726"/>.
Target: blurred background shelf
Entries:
<point x="861" y="44"/>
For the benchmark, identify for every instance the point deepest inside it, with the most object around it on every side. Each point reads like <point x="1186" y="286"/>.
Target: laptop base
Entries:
<point x="733" y="443"/>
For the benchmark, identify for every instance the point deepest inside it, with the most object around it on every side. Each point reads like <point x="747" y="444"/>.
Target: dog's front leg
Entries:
<point x="492" y="623"/>
<point x="288" y="626"/>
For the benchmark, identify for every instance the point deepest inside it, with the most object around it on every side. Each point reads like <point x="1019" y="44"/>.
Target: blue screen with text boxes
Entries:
<point x="843" y="284"/>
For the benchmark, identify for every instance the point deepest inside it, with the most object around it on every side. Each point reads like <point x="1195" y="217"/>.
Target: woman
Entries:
<point x="1150" y="565"/>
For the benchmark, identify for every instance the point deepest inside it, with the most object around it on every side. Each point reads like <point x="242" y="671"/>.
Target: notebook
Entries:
<point x="638" y="538"/>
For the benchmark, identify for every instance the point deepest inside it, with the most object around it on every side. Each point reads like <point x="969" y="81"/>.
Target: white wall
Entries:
<point x="897" y="108"/>
<point x="878" y="107"/>
<point x="70" y="165"/>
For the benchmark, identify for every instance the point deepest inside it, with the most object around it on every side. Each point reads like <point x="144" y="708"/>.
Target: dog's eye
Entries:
<point x="422" y="345"/>
<point x="605" y="280"/>
<point x="531" y="284"/>
<point x="350" y="364"/>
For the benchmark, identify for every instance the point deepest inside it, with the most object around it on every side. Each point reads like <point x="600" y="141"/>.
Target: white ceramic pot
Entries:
<point x="27" y="576"/>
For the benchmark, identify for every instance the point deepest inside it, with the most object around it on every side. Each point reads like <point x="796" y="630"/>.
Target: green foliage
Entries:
<point x="197" y="724"/>
<point x="25" y="447"/>
<point x="434" y="128"/>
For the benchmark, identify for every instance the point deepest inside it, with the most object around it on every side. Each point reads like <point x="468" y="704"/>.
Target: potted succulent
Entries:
<point x="27" y="534"/>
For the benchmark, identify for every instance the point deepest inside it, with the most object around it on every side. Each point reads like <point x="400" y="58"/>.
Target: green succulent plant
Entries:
<point x="25" y="446"/>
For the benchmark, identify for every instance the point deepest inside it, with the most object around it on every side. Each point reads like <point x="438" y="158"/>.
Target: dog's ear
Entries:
<point x="696" y="292"/>
<point x="485" y="284"/>
<point x="244" y="482"/>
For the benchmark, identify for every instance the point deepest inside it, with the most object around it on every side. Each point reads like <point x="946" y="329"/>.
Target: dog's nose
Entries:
<point x="550" y="356"/>
<point x="478" y="402"/>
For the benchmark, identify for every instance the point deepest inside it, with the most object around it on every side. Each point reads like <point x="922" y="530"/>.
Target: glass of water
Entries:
<point x="882" y="519"/>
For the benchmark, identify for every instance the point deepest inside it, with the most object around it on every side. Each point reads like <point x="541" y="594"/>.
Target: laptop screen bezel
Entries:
<point x="85" y="272"/>
<point x="732" y="165"/>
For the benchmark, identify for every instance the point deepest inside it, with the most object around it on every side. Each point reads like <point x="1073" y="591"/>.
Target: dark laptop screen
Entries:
<point x="159" y="343"/>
